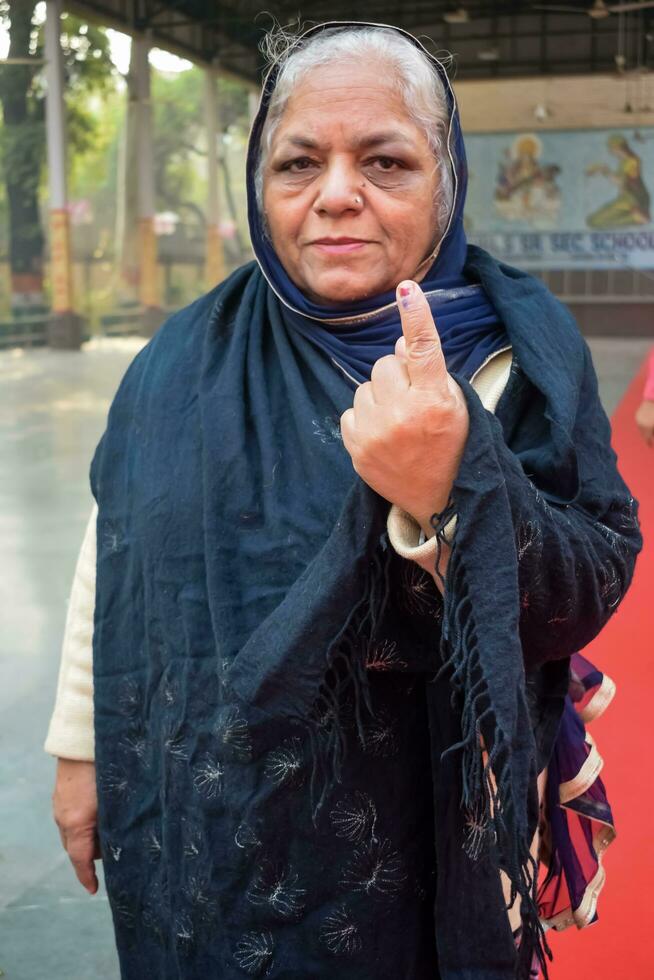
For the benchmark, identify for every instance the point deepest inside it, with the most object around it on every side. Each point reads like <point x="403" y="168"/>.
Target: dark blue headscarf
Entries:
<point x="467" y="322"/>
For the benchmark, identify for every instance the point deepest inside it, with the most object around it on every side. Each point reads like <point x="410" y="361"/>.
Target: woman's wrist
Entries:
<point x="425" y="517"/>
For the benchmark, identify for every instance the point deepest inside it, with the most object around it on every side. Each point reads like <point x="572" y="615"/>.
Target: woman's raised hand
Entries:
<point x="408" y="425"/>
<point x="75" y="808"/>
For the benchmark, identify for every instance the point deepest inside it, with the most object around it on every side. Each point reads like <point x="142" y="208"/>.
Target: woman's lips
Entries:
<point x="339" y="248"/>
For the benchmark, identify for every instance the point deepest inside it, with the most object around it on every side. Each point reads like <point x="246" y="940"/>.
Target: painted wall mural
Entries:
<point x="561" y="199"/>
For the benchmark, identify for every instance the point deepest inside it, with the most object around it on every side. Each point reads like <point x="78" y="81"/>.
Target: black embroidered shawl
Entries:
<point x="290" y="775"/>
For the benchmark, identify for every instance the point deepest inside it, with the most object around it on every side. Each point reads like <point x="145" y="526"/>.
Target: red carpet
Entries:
<point x="619" y="946"/>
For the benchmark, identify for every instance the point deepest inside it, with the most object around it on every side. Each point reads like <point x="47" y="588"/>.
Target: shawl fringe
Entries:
<point x="346" y="672"/>
<point x="487" y="798"/>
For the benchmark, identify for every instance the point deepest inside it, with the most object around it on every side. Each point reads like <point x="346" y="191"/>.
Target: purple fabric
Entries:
<point x="578" y="828"/>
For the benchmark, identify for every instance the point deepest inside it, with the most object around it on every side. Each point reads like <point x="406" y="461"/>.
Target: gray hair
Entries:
<point x="414" y="77"/>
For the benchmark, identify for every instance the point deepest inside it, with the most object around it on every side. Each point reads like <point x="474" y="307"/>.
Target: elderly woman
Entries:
<point x="319" y="726"/>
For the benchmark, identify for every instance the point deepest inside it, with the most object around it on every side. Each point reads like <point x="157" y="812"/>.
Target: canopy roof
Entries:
<point x="499" y="38"/>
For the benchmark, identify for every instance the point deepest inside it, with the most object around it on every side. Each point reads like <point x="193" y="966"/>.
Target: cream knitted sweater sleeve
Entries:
<point x="70" y="735"/>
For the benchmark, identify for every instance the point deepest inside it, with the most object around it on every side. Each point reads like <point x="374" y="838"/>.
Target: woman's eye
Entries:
<point x="387" y="164"/>
<point x="298" y="165"/>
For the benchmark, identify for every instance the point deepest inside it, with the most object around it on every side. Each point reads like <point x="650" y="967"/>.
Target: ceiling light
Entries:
<point x="457" y="16"/>
<point x="599" y="10"/>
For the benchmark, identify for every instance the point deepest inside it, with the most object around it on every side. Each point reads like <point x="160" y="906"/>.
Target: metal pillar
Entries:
<point x="215" y="254"/>
<point x="64" y="326"/>
<point x="152" y="314"/>
<point x="126" y="263"/>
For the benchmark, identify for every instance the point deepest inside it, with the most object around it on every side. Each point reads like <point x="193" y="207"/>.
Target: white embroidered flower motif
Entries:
<point x="192" y="839"/>
<point x="615" y="540"/>
<point x="537" y="495"/>
<point x="233" y="731"/>
<point x="154" y="908"/>
<point x="384" y="656"/>
<point x="531" y="599"/>
<point x="115" y="851"/>
<point x="375" y="869"/>
<point x="355" y="818"/>
<point x="340" y="934"/>
<point x="380" y="736"/>
<point x="327" y="429"/>
<point x="628" y="519"/>
<point x="330" y="714"/>
<point x="184" y="933"/>
<point x="420" y="594"/>
<point x="479" y="834"/>
<point x="208" y="778"/>
<point x="136" y="743"/>
<point x="124" y="909"/>
<point x="528" y="538"/>
<point x="111" y="537"/>
<point x="115" y="782"/>
<point x="561" y="613"/>
<point x="199" y="896"/>
<point x="285" y="765"/>
<point x="168" y="693"/>
<point x="129" y="698"/>
<point x="175" y="743"/>
<point x="254" y="953"/>
<point x="152" y="844"/>
<point x="153" y="919"/>
<point x="246" y="838"/>
<point x="326" y="715"/>
<point x="610" y="585"/>
<point x="277" y="887"/>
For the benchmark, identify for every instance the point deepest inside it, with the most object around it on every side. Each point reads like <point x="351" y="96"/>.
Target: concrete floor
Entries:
<point x="52" y="411"/>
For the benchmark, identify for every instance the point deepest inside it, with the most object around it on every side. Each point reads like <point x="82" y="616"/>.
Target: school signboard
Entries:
<point x="566" y="198"/>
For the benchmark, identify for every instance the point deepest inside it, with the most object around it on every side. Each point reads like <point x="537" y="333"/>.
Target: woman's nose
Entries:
<point x="338" y="192"/>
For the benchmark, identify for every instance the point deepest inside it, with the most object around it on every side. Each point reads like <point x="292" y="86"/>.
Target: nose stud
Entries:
<point x="357" y="200"/>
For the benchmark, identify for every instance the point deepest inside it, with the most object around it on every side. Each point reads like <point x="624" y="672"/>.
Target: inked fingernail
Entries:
<point x="406" y="290"/>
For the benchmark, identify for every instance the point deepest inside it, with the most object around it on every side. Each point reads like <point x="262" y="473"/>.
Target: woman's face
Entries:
<point x="349" y="186"/>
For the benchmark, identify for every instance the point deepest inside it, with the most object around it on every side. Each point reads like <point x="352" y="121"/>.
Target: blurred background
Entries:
<point x="123" y="134"/>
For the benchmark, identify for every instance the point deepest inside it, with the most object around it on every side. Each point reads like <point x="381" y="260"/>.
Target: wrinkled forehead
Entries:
<point x="344" y="78"/>
<point x="345" y="106"/>
<point x="333" y="83"/>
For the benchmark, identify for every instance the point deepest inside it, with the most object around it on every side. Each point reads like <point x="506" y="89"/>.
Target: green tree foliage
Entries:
<point x="22" y="144"/>
<point x="96" y="101"/>
<point x="89" y="75"/>
<point x="88" y="70"/>
<point x="179" y="134"/>
<point x="180" y="161"/>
